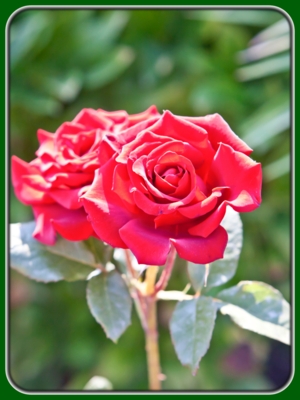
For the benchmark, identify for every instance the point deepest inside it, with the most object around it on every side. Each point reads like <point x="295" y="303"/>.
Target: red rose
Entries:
<point x="170" y="183"/>
<point x="64" y="168"/>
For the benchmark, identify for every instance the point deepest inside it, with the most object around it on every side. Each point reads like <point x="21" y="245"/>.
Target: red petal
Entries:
<point x="121" y="186"/>
<point x="203" y="207"/>
<point x="149" y="245"/>
<point x="70" y="224"/>
<point x="92" y="119"/>
<point x="73" y="225"/>
<point x="107" y="212"/>
<point x="202" y="250"/>
<point x="142" y="144"/>
<point x="24" y="192"/>
<point x="145" y="115"/>
<point x="70" y="179"/>
<point x="241" y="174"/>
<point x="220" y="132"/>
<point x="210" y="223"/>
<point x="44" y="231"/>
<point x="181" y="129"/>
<point x="68" y="198"/>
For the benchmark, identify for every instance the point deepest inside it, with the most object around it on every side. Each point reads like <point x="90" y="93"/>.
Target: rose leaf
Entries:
<point x="191" y="327"/>
<point x="65" y="260"/>
<point x="110" y="303"/>
<point x="258" y="307"/>
<point x="220" y="271"/>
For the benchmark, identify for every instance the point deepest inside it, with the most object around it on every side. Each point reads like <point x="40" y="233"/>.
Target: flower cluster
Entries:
<point x="143" y="182"/>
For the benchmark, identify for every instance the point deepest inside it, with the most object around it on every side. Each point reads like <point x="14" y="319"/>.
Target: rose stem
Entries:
<point x="166" y="274"/>
<point x="137" y="297"/>
<point x="151" y="331"/>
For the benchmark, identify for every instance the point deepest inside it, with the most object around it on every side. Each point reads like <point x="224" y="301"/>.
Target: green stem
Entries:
<point x="152" y="345"/>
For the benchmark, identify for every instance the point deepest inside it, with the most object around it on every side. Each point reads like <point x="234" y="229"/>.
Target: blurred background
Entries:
<point x="192" y="62"/>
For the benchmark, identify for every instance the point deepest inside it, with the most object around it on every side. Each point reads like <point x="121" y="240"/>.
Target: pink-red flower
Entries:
<point x="64" y="169"/>
<point x="169" y="183"/>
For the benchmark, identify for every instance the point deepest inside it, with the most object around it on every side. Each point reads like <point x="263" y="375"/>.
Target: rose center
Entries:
<point x="172" y="175"/>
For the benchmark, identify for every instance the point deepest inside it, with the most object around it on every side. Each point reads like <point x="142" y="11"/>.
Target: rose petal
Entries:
<point x="73" y="225"/>
<point x="149" y="245"/>
<point x="181" y="129"/>
<point x="202" y="250"/>
<point x="121" y="186"/>
<point x="203" y="207"/>
<point x="241" y="174"/>
<point x="68" y="198"/>
<point x="173" y="218"/>
<point x="24" y="192"/>
<point x="92" y="119"/>
<point x="142" y="144"/>
<point x="180" y="148"/>
<point x="209" y="223"/>
<point x="220" y="132"/>
<point x="44" y="231"/>
<point x="107" y="212"/>
<point x="154" y="208"/>
<point x="69" y="179"/>
<point x="130" y="134"/>
<point x="145" y="115"/>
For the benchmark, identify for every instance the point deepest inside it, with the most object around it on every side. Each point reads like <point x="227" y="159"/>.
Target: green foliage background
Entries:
<point x="192" y="62"/>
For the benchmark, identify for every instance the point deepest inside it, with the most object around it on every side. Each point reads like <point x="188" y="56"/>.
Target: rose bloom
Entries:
<point x="64" y="169"/>
<point x="169" y="183"/>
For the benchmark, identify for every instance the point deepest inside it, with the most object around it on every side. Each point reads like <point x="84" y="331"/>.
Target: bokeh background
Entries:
<point x="192" y="62"/>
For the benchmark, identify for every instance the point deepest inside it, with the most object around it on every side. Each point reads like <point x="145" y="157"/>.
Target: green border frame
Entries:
<point x="286" y="7"/>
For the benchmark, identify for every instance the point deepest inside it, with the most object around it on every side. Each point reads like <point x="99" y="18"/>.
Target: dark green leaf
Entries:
<point x="191" y="326"/>
<point x="240" y="17"/>
<point x="224" y="269"/>
<point x="258" y="307"/>
<point x="65" y="260"/>
<point x="110" y="303"/>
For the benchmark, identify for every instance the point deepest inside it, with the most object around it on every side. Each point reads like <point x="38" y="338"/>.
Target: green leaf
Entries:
<point x="65" y="260"/>
<point x="99" y="249"/>
<point x="110" y="68"/>
<point x="110" y="303"/>
<point x="224" y="269"/>
<point x="191" y="327"/>
<point x="29" y="36"/>
<point x="258" y="307"/>
<point x="277" y="168"/>
<point x="266" y="67"/>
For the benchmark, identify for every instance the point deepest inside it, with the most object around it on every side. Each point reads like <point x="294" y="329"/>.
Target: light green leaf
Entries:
<point x="110" y="68"/>
<point x="277" y="168"/>
<point x="258" y="307"/>
<point x="260" y="69"/>
<point x="191" y="327"/>
<point x="224" y="269"/>
<point x="65" y="260"/>
<point x="110" y="303"/>
<point x="29" y="35"/>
